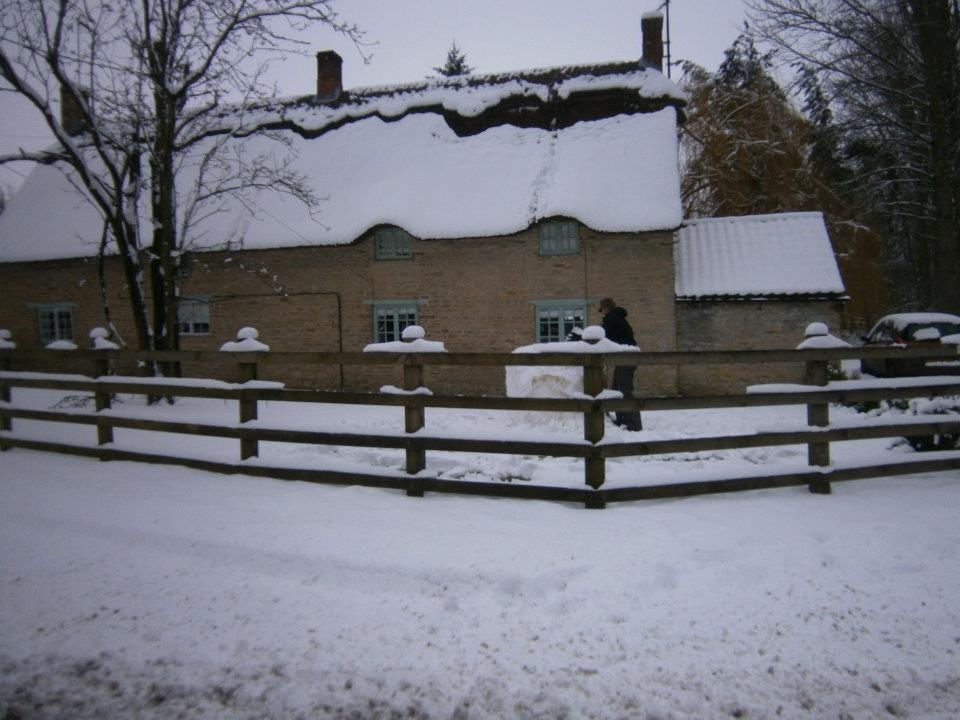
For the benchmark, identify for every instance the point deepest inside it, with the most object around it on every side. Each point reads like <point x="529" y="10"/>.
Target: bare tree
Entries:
<point x="890" y="70"/>
<point x="144" y="87"/>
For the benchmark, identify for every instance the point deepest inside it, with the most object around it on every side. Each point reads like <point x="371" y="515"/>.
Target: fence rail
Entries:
<point x="593" y="449"/>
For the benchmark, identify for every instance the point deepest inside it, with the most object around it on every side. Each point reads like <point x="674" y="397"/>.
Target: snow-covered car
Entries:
<point x="916" y="329"/>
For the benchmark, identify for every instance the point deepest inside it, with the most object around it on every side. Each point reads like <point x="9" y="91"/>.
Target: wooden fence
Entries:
<point x="593" y="450"/>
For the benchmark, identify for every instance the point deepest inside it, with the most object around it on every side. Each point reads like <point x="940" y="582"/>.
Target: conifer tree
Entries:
<point x="747" y="150"/>
<point x="456" y="63"/>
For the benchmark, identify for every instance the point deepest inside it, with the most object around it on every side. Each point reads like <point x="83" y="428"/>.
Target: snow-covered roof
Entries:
<point x="463" y="157"/>
<point x="756" y="256"/>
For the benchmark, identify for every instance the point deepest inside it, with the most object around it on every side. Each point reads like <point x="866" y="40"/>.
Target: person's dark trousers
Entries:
<point x="623" y="382"/>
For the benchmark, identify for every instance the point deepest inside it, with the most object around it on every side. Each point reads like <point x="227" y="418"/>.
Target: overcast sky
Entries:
<point x="409" y="37"/>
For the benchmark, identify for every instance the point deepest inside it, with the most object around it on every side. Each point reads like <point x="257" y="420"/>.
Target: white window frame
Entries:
<point x="55" y="321"/>
<point x="392" y="243"/>
<point x="559" y="237"/>
<point x="193" y="315"/>
<point x="563" y="315"/>
<point x="391" y="317"/>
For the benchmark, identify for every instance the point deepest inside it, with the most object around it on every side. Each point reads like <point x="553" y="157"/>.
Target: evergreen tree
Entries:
<point x="745" y="147"/>
<point x="456" y="63"/>
<point x="746" y="150"/>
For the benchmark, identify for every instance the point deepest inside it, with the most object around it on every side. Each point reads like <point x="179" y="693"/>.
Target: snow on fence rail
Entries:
<point x="594" y="450"/>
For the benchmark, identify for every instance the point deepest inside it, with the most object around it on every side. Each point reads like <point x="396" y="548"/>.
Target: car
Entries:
<point x="915" y="329"/>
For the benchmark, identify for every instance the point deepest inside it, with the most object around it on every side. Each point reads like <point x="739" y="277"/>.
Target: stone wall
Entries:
<point x="745" y="325"/>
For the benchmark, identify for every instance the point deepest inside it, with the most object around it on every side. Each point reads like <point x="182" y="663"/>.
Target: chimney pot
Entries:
<point x="651" y="25"/>
<point x="329" y="76"/>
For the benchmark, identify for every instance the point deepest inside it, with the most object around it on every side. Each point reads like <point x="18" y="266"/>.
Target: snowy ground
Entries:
<point x="159" y="592"/>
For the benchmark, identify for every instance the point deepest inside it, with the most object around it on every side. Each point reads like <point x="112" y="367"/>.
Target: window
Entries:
<point x="556" y="318"/>
<point x="560" y="237"/>
<point x="392" y="243"/>
<point x="55" y="322"/>
<point x="193" y="316"/>
<point x="390" y="319"/>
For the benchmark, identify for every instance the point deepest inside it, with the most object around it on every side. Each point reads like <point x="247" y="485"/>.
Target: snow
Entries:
<point x="246" y="342"/>
<point x="5" y="342"/>
<point x="100" y="339"/>
<point x="61" y="345"/>
<point x="156" y="592"/>
<point x="618" y="174"/>
<point x="756" y="256"/>
<point x="902" y="320"/>
<point x="394" y="390"/>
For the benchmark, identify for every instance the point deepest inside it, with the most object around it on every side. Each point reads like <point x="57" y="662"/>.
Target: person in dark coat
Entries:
<point x="618" y="330"/>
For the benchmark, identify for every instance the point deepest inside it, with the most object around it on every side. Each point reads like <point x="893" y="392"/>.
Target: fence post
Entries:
<point x="413" y="418"/>
<point x="247" y="342"/>
<point x="249" y="447"/>
<point x="6" y="423"/>
<point x="101" y="399"/>
<point x="595" y="470"/>
<point x="818" y="415"/>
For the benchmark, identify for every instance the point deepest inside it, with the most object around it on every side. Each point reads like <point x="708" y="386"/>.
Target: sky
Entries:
<point x="409" y="37"/>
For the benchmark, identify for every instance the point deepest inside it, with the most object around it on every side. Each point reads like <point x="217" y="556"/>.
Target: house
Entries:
<point x="494" y="210"/>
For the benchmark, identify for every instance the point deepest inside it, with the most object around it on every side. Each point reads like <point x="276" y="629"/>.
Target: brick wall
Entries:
<point x="473" y="294"/>
<point x="745" y="325"/>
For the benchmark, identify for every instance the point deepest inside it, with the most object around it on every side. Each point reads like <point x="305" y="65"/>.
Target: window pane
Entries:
<point x="559" y="238"/>
<point x="390" y="321"/>
<point x="54" y="323"/>
<point x="554" y="323"/>
<point x="392" y="244"/>
<point x="193" y="317"/>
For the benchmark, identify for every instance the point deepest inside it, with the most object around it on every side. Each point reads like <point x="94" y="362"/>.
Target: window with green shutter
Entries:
<point x="557" y="318"/>
<point x="391" y="318"/>
<point x="559" y="237"/>
<point x="54" y="322"/>
<point x="392" y="243"/>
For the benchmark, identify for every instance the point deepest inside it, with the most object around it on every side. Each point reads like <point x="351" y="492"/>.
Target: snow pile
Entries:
<point x="246" y="342"/>
<point x="61" y="345"/>
<point x="413" y="342"/>
<point x="558" y="381"/>
<point x="100" y="339"/>
<point x="818" y="337"/>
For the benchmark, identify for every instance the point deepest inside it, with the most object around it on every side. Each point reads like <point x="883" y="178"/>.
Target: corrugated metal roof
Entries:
<point x="785" y="254"/>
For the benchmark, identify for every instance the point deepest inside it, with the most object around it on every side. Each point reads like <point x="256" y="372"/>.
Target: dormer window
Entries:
<point x="392" y="243"/>
<point x="559" y="237"/>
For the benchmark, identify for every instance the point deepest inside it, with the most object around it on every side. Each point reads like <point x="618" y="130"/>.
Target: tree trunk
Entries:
<point x="937" y="42"/>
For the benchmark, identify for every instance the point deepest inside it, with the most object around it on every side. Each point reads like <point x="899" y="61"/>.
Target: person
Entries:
<point x="618" y="330"/>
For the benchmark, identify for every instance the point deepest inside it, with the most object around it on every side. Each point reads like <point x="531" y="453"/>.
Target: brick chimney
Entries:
<point x="71" y="116"/>
<point x="651" y="25"/>
<point x="329" y="76"/>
